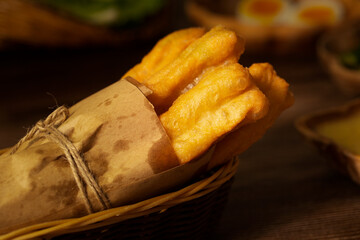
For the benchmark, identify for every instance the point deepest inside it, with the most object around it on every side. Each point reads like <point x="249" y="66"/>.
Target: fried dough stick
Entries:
<point x="277" y="91"/>
<point x="213" y="48"/>
<point x="164" y="52"/>
<point x="167" y="76"/>
<point x="224" y="98"/>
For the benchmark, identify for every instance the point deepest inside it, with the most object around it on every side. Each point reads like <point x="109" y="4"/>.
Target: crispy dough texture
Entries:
<point x="214" y="99"/>
<point x="213" y="48"/>
<point x="224" y="98"/>
<point x="164" y="52"/>
<point x="277" y="92"/>
<point x="167" y="75"/>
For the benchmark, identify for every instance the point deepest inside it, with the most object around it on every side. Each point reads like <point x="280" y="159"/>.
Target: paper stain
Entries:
<point x="79" y="210"/>
<point x="99" y="162"/>
<point x="117" y="180"/>
<point x="39" y="151"/>
<point x="121" y="118"/>
<point x="161" y="157"/>
<point x="121" y="145"/>
<point x="38" y="168"/>
<point x="66" y="191"/>
<point x="107" y="102"/>
<point x="59" y="161"/>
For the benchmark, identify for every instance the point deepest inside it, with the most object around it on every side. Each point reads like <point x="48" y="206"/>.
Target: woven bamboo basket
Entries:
<point x="188" y="213"/>
<point x="28" y="23"/>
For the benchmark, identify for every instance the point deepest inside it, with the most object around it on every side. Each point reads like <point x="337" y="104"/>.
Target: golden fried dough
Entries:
<point x="224" y="98"/>
<point x="213" y="99"/>
<point x="164" y="52"/>
<point x="178" y="59"/>
<point x="277" y="91"/>
<point x="213" y="48"/>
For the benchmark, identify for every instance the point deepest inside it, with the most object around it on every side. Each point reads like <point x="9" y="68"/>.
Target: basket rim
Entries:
<point x="122" y="213"/>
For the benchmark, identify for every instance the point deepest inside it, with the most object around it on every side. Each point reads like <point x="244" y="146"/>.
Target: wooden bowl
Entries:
<point x="329" y="47"/>
<point x="346" y="160"/>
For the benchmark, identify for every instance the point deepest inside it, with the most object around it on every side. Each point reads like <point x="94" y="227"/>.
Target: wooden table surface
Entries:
<point x="283" y="188"/>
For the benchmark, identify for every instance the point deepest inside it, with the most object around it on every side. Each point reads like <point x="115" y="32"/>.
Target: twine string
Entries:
<point x="83" y="177"/>
<point x="56" y="118"/>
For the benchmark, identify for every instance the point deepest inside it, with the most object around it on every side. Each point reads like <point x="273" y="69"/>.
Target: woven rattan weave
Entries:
<point x="187" y="213"/>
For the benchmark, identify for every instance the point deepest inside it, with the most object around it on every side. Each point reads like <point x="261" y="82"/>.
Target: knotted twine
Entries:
<point x="48" y="128"/>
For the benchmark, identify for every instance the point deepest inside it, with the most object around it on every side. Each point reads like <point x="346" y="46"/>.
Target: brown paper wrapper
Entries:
<point x="122" y="141"/>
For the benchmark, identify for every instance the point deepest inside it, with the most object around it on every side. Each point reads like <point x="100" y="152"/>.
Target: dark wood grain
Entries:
<point x="284" y="189"/>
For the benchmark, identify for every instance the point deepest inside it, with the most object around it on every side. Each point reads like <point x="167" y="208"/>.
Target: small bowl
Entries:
<point x="343" y="159"/>
<point x="330" y="46"/>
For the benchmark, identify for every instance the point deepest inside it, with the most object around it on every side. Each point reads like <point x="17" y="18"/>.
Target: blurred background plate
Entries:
<point x="339" y="53"/>
<point x="55" y="23"/>
<point x="275" y="26"/>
